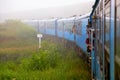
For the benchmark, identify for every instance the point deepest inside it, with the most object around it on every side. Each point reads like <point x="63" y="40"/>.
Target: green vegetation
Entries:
<point x="51" y="62"/>
<point x="16" y="37"/>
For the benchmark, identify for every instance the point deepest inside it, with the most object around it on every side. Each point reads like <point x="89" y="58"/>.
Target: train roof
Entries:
<point x="62" y="19"/>
<point x="83" y="16"/>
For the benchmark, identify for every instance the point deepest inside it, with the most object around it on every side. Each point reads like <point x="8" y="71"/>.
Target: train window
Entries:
<point x="101" y="35"/>
<point x="78" y="27"/>
<point x="98" y="9"/>
<point x="41" y="26"/>
<point x="107" y="25"/>
<point x="101" y="6"/>
<point x="68" y="26"/>
<point x="117" y="48"/>
<point x="60" y="28"/>
<point x="118" y="32"/>
<point x="50" y="24"/>
<point x="60" y="25"/>
<point x="101" y="23"/>
<point x="98" y="28"/>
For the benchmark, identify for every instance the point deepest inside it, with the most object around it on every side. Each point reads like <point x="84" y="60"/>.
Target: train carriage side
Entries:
<point x="51" y="26"/>
<point x="117" y="39"/>
<point x="107" y="28"/>
<point x="81" y="32"/>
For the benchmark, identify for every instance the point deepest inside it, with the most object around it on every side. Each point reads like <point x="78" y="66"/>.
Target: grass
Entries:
<point x="17" y="38"/>
<point x="51" y="62"/>
<point x="48" y="64"/>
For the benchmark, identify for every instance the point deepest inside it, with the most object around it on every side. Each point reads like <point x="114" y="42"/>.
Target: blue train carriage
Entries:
<point x="42" y="26"/>
<point x="60" y="27"/>
<point x="50" y="26"/>
<point x="80" y="37"/>
<point x="73" y="29"/>
<point x="101" y="24"/>
<point x="68" y="25"/>
<point x="106" y="23"/>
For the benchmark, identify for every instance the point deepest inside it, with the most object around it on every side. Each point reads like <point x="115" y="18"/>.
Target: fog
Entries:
<point x="40" y="9"/>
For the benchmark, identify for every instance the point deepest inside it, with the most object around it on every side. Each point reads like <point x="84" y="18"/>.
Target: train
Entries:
<point x="72" y="29"/>
<point x="96" y="33"/>
<point x="105" y="20"/>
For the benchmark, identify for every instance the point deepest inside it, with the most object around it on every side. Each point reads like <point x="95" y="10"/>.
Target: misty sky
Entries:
<point x="22" y="5"/>
<point x="43" y="9"/>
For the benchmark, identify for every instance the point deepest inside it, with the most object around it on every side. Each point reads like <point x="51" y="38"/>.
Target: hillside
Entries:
<point x="16" y="37"/>
<point x="54" y="62"/>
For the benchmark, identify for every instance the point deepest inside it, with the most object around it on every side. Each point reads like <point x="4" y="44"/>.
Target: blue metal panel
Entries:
<point x="80" y="39"/>
<point x="60" y="34"/>
<point x="98" y="70"/>
<point x="93" y="63"/>
<point x="50" y="31"/>
<point x="112" y="33"/>
<point x="69" y="36"/>
<point x="56" y="26"/>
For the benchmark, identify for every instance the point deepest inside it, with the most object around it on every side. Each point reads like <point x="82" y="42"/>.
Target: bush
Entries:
<point x="42" y="61"/>
<point x="51" y="63"/>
